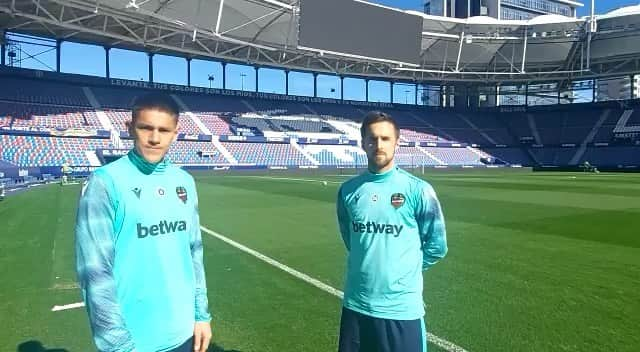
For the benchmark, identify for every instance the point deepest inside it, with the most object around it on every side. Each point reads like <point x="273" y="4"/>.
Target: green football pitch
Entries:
<point x="537" y="262"/>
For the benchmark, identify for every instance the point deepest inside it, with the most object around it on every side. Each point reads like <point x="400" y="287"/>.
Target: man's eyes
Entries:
<point x="149" y="128"/>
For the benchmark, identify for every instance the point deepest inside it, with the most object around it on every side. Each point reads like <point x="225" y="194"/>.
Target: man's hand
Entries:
<point x="201" y="336"/>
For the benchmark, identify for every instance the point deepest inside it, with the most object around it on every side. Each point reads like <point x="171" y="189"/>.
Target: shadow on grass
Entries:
<point x="36" y="346"/>
<point x="217" y="348"/>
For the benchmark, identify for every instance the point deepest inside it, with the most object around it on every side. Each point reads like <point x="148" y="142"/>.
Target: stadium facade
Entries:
<point x="473" y="92"/>
<point x="501" y="9"/>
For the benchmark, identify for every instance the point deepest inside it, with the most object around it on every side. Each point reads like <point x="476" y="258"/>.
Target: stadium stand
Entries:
<point x="510" y="155"/>
<point x="553" y="156"/>
<point x="31" y="151"/>
<point x="6" y="120"/>
<point x="256" y="125"/>
<point x="613" y="156"/>
<point x="191" y="153"/>
<point x="6" y="164"/>
<point x="275" y="154"/>
<point x="187" y="125"/>
<point x="37" y="115"/>
<point x="408" y="156"/>
<point x="214" y="104"/>
<point x="109" y="98"/>
<point x="215" y="124"/>
<point x="337" y="155"/>
<point x="418" y="135"/>
<point x="557" y="132"/>
<point x="304" y="125"/>
<point x="278" y="107"/>
<point x="118" y="118"/>
<point x="634" y="120"/>
<point x="42" y="92"/>
<point x="339" y="112"/>
<point x="455" y="156"/>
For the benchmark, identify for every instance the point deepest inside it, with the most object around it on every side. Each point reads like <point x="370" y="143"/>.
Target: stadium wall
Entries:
<point x="175" y="88"/>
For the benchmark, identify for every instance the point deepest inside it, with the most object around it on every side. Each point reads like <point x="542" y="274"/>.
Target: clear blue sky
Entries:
<point x="86" y="59"/>
<point x="602" y="6"/>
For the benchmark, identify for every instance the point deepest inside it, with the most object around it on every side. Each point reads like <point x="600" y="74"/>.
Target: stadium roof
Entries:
<point x="574" y="3"/>
<point x="623" y="11"/>
<point x="265" y="32"/>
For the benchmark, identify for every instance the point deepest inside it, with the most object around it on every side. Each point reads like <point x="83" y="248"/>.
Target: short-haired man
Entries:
<point x="139" y="252"/>
<point x="393" y="228"/>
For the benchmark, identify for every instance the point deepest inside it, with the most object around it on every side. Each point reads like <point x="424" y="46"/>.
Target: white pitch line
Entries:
<point x="436" y="340"/>
<point x="67" y="306"/>
<point x="288" y="179"/>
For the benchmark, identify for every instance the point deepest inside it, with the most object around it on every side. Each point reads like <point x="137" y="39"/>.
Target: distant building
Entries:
<point x="501" y="9"/>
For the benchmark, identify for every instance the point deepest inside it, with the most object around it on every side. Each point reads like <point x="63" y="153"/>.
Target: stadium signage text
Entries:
<point x="114" y="152"/>
<point x="83" y="169"/>
<point x="628" y="135"/>
<point x="191" y="137"/>
<point x="239" y="93"/>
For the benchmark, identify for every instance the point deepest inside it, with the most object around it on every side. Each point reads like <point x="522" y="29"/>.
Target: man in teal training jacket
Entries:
<point x="393" y="228"/>
<point x="138" y="244"/>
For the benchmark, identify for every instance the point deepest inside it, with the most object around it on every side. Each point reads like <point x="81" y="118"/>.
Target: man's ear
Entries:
<point x="175" y="137"/>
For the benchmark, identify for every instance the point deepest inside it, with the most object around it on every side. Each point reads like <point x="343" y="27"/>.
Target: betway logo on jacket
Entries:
<point x="375" y="228"/>
<point x="164" y="227"/>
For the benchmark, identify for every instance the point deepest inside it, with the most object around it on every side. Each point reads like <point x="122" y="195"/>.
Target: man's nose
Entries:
<point x="154" y="137"/>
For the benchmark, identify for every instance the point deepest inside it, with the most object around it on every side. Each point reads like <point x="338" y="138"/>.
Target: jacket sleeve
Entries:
<point x="94" y="243"/>
<point x="343" y="220"/>
<point x="201" y="300"/>
<point x="433" y="234"/>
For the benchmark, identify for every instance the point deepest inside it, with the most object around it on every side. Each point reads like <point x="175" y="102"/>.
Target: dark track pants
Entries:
<point x="362" y="333"/>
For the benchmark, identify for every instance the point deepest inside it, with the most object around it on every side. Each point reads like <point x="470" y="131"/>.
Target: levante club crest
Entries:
<point x="397" y="200"/>
<point x="182" y="194"/>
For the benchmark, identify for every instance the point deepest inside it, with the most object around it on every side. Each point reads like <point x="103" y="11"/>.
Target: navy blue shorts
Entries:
<point x="187" y="346"/>
<point x="363" y="333"/>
